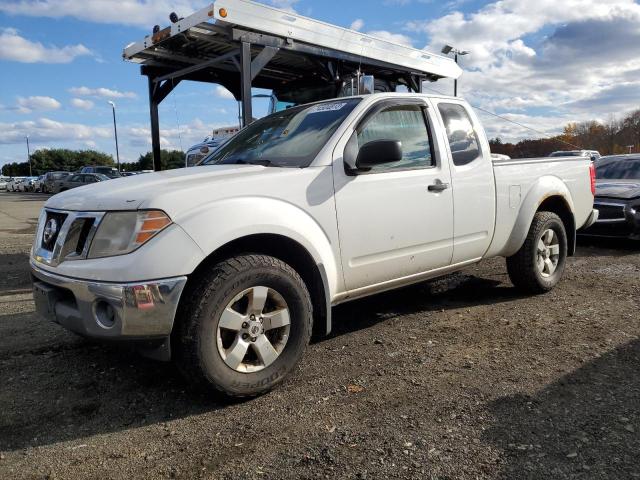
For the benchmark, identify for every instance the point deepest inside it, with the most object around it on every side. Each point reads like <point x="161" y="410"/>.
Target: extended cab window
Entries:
<point x="407" y="124"/>
<point x="463" y="139"/>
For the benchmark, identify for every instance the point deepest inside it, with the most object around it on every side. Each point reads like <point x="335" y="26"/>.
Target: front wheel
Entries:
<point x="539" y="264"/>
<point x="243" y="326"/>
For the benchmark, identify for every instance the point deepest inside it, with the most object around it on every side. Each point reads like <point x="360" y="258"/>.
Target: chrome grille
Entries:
<point x="58" y="218"/>
<point x="71" y="240"/>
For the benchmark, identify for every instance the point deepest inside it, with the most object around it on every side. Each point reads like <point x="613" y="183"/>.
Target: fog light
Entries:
<point x="105" y="314"/>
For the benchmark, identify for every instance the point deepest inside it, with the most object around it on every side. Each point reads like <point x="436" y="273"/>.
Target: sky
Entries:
<point x="541" y="63"/>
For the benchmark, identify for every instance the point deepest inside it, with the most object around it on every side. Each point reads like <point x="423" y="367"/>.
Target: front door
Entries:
<point x="395" y="220"/>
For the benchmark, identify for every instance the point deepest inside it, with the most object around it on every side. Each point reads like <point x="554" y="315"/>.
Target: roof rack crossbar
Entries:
<point x="262" y="59"/>
<point x="199" y="66"/>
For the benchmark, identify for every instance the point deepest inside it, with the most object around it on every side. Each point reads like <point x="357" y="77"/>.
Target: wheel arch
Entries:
<point x="289" y="251"/>
<point x="558" y="205"/>
<point x="548" y="194"/>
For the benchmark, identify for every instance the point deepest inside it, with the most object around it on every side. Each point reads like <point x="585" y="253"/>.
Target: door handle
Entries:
<point x="438" y="187"/>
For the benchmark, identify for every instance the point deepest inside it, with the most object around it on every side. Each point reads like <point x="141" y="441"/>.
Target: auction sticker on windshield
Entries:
<point x="326" y="107"/>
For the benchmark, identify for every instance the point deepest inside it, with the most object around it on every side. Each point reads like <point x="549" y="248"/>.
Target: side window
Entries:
<point x="76" y="178"/>
<point x="463" y="139"/>
<point x="407" y="124"/>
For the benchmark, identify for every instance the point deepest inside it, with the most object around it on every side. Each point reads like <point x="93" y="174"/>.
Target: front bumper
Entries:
<point x="620" y="220"/>
<point x="136" y="311"/>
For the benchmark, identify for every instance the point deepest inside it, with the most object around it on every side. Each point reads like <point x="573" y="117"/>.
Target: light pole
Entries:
<point x="115" y="132"/>
<point x="447" y="49"/>
<point x="28" y="155"/>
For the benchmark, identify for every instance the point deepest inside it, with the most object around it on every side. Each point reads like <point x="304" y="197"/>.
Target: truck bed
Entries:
<point x="515" y="181"/>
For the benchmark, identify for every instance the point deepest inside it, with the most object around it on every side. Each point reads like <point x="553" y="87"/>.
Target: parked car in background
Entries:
<point x="37" y="184"/>
<point x="500" y="156"/>
<point x="110" y="172"/>
<point x="3" y="182"/>
<point x="14" y="184"/>
<point x="27" y="185"/>
<point x="209" y="145"/>
<point x="592" y="154"/>
<point x="51" y="179"/>
<point x="128" y="174"/>
<point x="617" y="197"/>
<point x="79" y="180"/>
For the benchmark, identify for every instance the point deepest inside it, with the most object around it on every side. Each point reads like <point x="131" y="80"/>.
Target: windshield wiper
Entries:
<point x="240" y="161"/>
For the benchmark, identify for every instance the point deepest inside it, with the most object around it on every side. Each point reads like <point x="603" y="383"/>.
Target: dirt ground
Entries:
<point x="461" y="378"/>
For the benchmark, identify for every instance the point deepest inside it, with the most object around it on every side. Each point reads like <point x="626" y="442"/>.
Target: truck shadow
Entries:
<point x="600" y="246"/>
<point x="74" y="389"/>
<point x="58" y="387"/>
<point x="457" y="290"/>
<point x="585" y="425"/>
<point x="15" y="275"/>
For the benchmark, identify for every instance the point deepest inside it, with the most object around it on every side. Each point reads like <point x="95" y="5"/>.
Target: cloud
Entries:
<point x="139" y="136"/>
<point x="16" y="48"/>
<point x="546" y="61"/>
<point x="29" y="104"/>
<point x="141" y="13"/>
<point x="357" y="24"/>
<point x="100" y="92"/>
<point x="47" y="130"/>
<point x="222" y="92"/>
<point x="82" y="104"/>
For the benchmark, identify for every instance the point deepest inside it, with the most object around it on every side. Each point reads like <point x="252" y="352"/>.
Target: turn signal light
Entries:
<point x="153" y="222"/>
<point x="223" y="12"/>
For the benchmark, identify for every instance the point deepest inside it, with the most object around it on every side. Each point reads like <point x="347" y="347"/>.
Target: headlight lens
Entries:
<point x="123" y="232"/>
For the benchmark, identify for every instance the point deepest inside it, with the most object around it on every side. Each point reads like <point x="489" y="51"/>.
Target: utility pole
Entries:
<point x="29" y="155"/>
<point x="115" y="132"/>
<point x="447" y="49"/>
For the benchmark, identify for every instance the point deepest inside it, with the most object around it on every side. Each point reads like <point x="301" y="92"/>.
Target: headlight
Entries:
<point x="123" y="232"/>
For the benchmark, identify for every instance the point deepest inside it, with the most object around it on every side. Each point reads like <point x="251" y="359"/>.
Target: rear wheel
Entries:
<point x="244" y="326"/>
<point x="539" y="264"/>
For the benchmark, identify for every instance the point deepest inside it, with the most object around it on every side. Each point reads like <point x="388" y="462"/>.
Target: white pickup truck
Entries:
<point x="228" y="267"/>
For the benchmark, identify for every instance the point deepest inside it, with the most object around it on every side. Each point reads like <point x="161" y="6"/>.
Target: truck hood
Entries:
<point x="623" y="189"/>
<point x="171" y="190"/>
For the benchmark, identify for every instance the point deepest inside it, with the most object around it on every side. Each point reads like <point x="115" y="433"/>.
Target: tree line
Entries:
<point x="612" y="137"/>
<point x="62" y="159"/>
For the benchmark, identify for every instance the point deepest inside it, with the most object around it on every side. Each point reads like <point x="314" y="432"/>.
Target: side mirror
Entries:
<point x="379" y="152"/>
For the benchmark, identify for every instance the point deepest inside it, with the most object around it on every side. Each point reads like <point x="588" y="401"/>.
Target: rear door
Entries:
<point x="474" y="194"/>
<point x="395" y="220"/>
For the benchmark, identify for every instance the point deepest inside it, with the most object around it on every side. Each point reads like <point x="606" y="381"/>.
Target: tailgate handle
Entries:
<point x="438" y="187"/>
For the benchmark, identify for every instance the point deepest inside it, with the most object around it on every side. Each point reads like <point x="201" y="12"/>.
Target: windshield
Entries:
<point x="618" y="169"/>
<point x="291" y="138"/>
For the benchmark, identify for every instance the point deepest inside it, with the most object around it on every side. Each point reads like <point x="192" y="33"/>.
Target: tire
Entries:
<point x="202" y="349"/>
<point x="530" y="268"/>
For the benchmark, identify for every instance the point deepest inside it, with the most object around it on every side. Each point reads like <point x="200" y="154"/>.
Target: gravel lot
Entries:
<point x="459" y="378"/>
